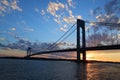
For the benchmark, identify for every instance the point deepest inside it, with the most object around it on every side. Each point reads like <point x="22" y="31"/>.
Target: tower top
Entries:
<point x="81" y="23"/>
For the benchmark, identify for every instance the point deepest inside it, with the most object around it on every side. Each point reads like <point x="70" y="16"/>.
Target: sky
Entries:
<point x="39" y="23"/>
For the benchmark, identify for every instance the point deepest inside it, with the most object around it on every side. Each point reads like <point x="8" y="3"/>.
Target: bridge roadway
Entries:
<point x="110" y="47"/>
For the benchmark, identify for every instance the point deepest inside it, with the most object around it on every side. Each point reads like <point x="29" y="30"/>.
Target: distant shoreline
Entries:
<point x="53" y="59"/>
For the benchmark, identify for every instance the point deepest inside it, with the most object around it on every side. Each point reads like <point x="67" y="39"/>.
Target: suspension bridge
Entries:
<point x="80" y="49"/>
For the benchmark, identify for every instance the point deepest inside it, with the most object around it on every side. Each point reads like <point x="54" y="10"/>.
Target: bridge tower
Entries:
<point x="81" y="24"/>
<point x="28" y="52"/>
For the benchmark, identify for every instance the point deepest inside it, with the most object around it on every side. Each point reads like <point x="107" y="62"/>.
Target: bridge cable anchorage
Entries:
<point x="62" y="36"/>
<point x="104" y="23"/>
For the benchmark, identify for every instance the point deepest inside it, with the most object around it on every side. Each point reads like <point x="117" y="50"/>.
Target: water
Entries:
<point x="11" y="69"/>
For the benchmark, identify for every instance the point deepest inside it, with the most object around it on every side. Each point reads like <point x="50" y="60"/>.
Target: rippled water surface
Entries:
<point x="57" y="70"/>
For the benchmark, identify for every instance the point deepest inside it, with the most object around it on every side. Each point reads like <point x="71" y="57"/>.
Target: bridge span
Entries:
<point x="110" y="47"/>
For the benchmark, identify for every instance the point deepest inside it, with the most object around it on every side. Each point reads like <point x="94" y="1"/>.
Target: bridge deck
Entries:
<point x="110" y="47"/>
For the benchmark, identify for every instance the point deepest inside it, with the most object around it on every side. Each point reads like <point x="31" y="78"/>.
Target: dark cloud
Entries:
<point x="106" y="19"/>
<point x="103" y="38"/>
<point x="2" y="45"/>
<point x="65" y="44"/>
<point x="111" y="6"/>
<point x="23" y="45"/>
<point x="107" y="29"/>
<point x="109" y="12"/>
<point x="97" y="10"/>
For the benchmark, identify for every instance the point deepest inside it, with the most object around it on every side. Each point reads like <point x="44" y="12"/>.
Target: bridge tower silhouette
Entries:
<point x="81" y="24"/>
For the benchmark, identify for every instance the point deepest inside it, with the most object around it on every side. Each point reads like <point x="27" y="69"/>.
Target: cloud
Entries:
<point x="12" y="29"/>
<point x="70" y="3"/>
<point x="25" y="26"/>
<point x="5" y="2"/>
<point x="111" y="18"/>
<point x="105" y="19"/>
<point x="65" y="44"/>
<point x="2" y="39"/>
<point x="91" y="12"/>
<point x="71" y="19"/>
<point x="92" y="24"/>
<point x="87" y="28"/>
<point x="63" y="29"/>
<point x="15" y="36"/>
<point x="103" y="37"/>
<point x="119" y="36"/>
<point x="66" y="7"/>
<point x="58" y="21"/>
<point x="95" y="39"/>
<point x="23" y="44"/>
<point x="36" y="9"/>
<point x="96" y="11"/>
<point x="42" y="12"/>
<point x="8" y="6"/>
<point x="62" y="13"/>
<point x="53" y="7"/>
<point x="119" y="21"/>
<point x="14" y="6"/>
<point x="108" y="13"/>
<point x="79" y="17"/>
<point x="19" y="48"/>
<point x="29" y="29"/>
<point x="110" y="7"/>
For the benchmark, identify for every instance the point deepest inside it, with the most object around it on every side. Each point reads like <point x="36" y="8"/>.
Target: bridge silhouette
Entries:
<point x="80" y="49"/>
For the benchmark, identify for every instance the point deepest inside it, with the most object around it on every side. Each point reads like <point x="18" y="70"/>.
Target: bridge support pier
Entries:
<point x="81" y="24"/>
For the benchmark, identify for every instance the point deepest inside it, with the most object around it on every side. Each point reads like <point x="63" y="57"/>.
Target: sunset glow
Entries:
<point x="41" y="23"/>
<point x="109" y="55"/>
